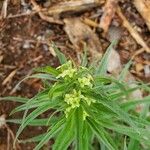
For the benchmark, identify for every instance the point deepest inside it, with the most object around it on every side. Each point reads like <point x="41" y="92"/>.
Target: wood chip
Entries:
<point x="9" y="77"/>
<point x="80" y="33"/>
<point x="132" y="31"/>
<point x="90" y="22"/>
<point x="139" y="67"/>
<point x="4" y="9"/>
<point x="143" y="7"/>
<point x="1" y="59"/>
<point x="53" y="13"/>
<point x="109" y="12"/>
<point x="73" y="6"/>
<point x="2" y="121"/>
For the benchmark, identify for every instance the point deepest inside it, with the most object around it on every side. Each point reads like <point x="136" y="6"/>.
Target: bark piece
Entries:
<point x="80" y="33"/>
<point x="143" y="7"/>
<point x="109" y="12"/>
<point x="9" y="77"/>
<point x="53" y="13"/>
<point x="73" y="6"/>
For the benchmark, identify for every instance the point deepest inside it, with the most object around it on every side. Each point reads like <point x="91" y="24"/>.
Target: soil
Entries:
<point x="20" y="50"/>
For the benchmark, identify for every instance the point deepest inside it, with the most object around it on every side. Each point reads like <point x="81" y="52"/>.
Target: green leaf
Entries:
<point x="41" y="76"/>
<point x="100" y="133"/>
<point x="30" y="117"/>
<point x="33" y="139"/>
<point x="66" y="135"/>
<point x="79" y="128"/>
<point x="47" y="69"/>
<point x="39" y="103"/>
<point x="61" y="56"/>
<point x="50" y="134"/>
<point x="143" y="134"/>
<point x="124" y="71"/>
<point x="125" y="144"/>
<point x="84" y="59"/>
<point x="59" y="89"/>
<point x="113" y="106"/>
<point x="38" y="76"/>
<point x="130" y="104"/>
<point x="14" y="99"/>
<point x="35" y="122"/>
<point x="87" y="136"/>
<point x="102" y="67"/>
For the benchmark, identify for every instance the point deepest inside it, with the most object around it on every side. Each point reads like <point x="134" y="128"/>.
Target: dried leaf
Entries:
<point x="80" y="33"/>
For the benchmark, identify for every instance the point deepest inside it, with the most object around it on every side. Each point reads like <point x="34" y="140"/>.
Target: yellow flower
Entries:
<point x="66" y="70"/>
<point x="85" y="81"/>
<point x="85" y="114"/>
<point x="73" y="99"/>
<point x="67" y="111"/>
<point x="69" y="73"/>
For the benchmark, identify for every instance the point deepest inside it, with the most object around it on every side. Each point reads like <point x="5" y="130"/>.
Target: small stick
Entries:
<point x="132" y="31"/>
<point x="90" y="22"/>
<point x="9" y="77"/>
<point x="38" y="9"/>
<point x="4" y="9"/>
<point x="141" y="50"/>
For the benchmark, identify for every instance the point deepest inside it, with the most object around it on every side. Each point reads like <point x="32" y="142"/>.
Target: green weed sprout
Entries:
<point x="91" y="110"/>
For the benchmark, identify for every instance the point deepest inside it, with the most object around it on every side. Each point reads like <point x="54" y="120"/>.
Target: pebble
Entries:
<point x="147" y="70"/>
<point x="26" y="45"/>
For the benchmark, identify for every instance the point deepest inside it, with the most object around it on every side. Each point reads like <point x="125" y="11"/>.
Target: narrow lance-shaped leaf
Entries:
<point x="102" y="67"/>
<point x="50" y="134"/>
<point x="66" y="135"/>
<point x="79" y="128"/>
<point x="100" y="134"/>
<point x="60" y="55"/>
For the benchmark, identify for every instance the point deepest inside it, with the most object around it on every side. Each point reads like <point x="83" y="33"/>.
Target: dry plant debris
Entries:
<point x="109" y="12"/>
<point x="4" y="9"/>
<point x="132" y="31"/>
<point x="10" y="133"/>
<point x="143" y="6"/>
<point x="80" y="33"/>
<point x="9" y="77"/>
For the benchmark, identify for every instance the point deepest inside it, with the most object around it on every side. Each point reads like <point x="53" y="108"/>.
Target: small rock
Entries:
<point x="2" y="121"/>
<point x="136" y="94"/>
<point x="47" y="4"/>
<point x="45" y="47"/>
<point x="26" y="45"/>
<point x="147" y="70"/>
<point x="114" y="62"/>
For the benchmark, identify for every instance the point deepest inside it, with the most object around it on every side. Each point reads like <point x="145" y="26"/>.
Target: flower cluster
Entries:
<point x="66" y="70"/>
<point x="85" y="81"/>
<point x="73" y="100"/>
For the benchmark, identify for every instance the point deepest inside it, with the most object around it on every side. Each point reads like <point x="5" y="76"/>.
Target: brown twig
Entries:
<point x="9" y="77"/>
<point x="132" y="31"/>
<point x="4" y="9"/>
<point x="38" y="9"/>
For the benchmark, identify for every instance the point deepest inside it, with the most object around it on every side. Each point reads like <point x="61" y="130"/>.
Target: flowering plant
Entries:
<point x="90" y="108"/>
